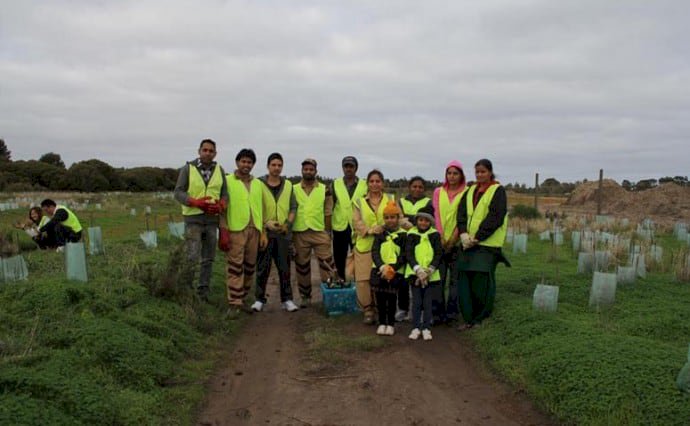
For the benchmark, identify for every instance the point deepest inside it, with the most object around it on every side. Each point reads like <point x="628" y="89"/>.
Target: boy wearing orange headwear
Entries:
<point x="388" y="254"/>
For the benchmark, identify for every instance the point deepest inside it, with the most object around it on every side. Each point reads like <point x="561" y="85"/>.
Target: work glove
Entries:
<point x="212" y="209"/>
<point x="263" y="241"/>
<point x="224" y="239"/>
<point x="388" y="273"/>
<point x="284" y="229"/>
<point x="382" y="270"/>
<point x="430" y="271"/>
<point x="199" y="203"/>
<point x="222" y="205"/>
<point x="466" y="240"/>
<point x="406" y="224"/>
<point x="273" y="225"/>
<point x="421" y="273"/>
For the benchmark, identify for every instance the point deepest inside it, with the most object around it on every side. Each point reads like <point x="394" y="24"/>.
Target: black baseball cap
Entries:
<point x="350" y="160"/>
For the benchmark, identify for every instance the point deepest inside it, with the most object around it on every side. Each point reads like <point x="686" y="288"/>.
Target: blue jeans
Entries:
<point x="421" y="304"/>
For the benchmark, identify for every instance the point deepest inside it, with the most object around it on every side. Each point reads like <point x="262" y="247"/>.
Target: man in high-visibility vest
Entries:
<point x="310" y="222"/>
<point x="203" y="194"/>
<point x="63" y="223"/>
<point x="241" y="230"/>
<point x="277" y="193"/>
<point x="344" y="191"/>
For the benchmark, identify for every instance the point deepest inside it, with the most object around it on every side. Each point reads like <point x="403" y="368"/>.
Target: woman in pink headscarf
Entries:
<point x="446" y="200"/>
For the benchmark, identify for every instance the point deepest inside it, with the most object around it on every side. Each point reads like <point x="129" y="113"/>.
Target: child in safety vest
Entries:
<point x="423" y="250"/>
<point x="388" y="254"/>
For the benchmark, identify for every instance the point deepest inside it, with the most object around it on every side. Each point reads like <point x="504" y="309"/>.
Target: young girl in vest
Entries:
<point x="482" y="223"/>
<point x="387" y="272"/>
<point x="423" y="256"/>
<point x="446" y="199"/>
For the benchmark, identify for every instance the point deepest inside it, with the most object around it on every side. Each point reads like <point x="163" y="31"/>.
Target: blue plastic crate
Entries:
<point x="338" y="301"/>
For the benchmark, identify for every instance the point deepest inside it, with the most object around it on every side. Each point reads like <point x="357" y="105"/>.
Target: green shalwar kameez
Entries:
<point x="476" y="268"/>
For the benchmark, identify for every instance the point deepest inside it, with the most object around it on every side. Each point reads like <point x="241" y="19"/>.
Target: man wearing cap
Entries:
<point x="310" y="221"/>
<point x="345" y="190"/>
<point x="203" y="194"/>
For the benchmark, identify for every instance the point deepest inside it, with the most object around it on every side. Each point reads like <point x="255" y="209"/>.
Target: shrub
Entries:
<point x="524" y="212"/>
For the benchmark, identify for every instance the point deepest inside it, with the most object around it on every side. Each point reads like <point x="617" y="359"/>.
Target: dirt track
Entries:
<point x="268" y="380"/>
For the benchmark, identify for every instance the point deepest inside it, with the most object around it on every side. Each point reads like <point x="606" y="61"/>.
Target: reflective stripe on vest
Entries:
<point x="476" y="215"/>
<point x="310" y="209"/>
<point x="198" y="189"/>
<point x="390" y="250"/>
<point x="370" y="219"/>
<point x="409" y="209"/>
<point x="277" y="210"/>
<point x="342" y="210"/>
<point x="448" y="212"/>
<point x="72" y="222"/>
<point x="423" y="253"/>
<point x="242" y="203"/>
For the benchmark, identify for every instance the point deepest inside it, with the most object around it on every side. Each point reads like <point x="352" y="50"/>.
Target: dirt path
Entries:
<point x="271" y="379"/>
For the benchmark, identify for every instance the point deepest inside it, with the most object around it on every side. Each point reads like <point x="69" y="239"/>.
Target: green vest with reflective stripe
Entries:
<point x="364" y="244"/>
<point x="390" y="250"/>
<point x="279" y="209"/>
<point x="423" y="252"/>
<point x="43" y="221"/>
<point x="310" y="208"/>
<point x="410" y="209"/>
<point x="342" y="210"/>
<point x="448" y="212"/>
<point x="72" y="222"/>
<point x="476" y="215"/>
<point x="198" y="189"/>
<point x="244" y="203"/>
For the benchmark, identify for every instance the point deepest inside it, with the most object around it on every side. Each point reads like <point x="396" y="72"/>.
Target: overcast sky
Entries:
<point x="562" y="88"/>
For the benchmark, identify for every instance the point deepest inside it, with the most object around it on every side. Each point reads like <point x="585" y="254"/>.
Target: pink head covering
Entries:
<point x="434" y="201"/>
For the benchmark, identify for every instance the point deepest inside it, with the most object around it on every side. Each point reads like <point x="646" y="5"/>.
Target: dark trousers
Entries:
<point x="64" y="235"/>
<point x="445" y="307"/>
<point x="385" y="303"/>
<point x="421" y="304"/>
<point x="278" y="250"/>
<point x="477" y="292"/>
<point x="404" y="296"/>
<point x="342" y="242"/>
<point x="200" y="243"/>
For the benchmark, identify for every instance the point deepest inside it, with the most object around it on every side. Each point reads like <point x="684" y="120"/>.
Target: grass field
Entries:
<point x="109" y="351"/>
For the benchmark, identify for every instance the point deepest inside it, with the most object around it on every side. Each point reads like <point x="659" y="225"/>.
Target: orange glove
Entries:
<point x="224" y="239"/>
<point x="388" y="272"/>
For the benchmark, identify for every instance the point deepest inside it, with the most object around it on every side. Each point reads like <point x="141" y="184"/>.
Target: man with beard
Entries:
<point x="310" y="221"/>
<point x="241" y="232"/>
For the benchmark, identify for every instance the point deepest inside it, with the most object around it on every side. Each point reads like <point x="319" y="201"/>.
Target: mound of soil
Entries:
<point x="664" y="202"/>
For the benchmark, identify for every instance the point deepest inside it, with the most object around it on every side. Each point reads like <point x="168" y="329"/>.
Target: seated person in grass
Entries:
<point x="62" y="223"/>
<point x="31" y="226"/>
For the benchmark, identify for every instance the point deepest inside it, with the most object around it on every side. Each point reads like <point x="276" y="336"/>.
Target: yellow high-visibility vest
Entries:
<point x="476" y="215"/>
<point x="342" y="210"/>
<point x="277" y="210"/>
<point x="423" y="252"/>
<point x="448" y="212"/>
<point x="364" y="244"/>
<point x="72" y="222"/>
<point x="244" y="203"/>
<point x="310" y="208"/>
<point x="198" y="189"/>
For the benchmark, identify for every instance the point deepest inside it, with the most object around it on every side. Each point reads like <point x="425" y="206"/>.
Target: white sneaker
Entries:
<point x="400" y="315"/>
<point x="381" y="331"/>
<point x="426" y="334"/>
<point x="390" y="330"/>
<point x="289" y="306"/>
<point x="257" y="306"/>
<point x="414" y="335"/>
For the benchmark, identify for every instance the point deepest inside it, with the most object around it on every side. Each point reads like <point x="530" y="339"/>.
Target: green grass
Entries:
<point x="588" y="366"/>
<point x="108" y="351"/>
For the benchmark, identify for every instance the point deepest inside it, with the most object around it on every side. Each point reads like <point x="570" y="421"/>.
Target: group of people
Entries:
<point x="443" y="250"/>
<point x="52" y="225"/>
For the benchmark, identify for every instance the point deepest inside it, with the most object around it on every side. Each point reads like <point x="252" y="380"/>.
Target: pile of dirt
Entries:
<point x="667" y="201"/>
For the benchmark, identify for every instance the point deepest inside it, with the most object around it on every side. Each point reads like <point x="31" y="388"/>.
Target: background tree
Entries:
<point x="5" y="154"/>
<point x="53" y="159"/>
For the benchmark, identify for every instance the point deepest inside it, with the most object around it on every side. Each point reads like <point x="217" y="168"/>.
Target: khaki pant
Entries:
<point x="320" y="243"/>
<point x="365" y="298"/>
<point x="241" y="258"/>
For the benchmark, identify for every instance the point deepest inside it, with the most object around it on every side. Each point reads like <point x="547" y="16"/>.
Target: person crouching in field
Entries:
<point x="423" y="251"/>
<point x="482" y="223"/>
<point x="203" y="194"/>
<point x="63" y="223"/>
<point x="388" y="254"/>
<point x="35" y="222"/>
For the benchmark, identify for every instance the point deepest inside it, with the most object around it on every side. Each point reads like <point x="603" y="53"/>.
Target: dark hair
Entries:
<point x="414" y="179"/>
<point x="246" y="152"/>
<point x="48" y="203"/>
<point x="37" y="210"/>
<point x="207" y="141"/>
<point x="374" y="172"/>
<point x="274" y="156"/>
<point x="486" y="164"/>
